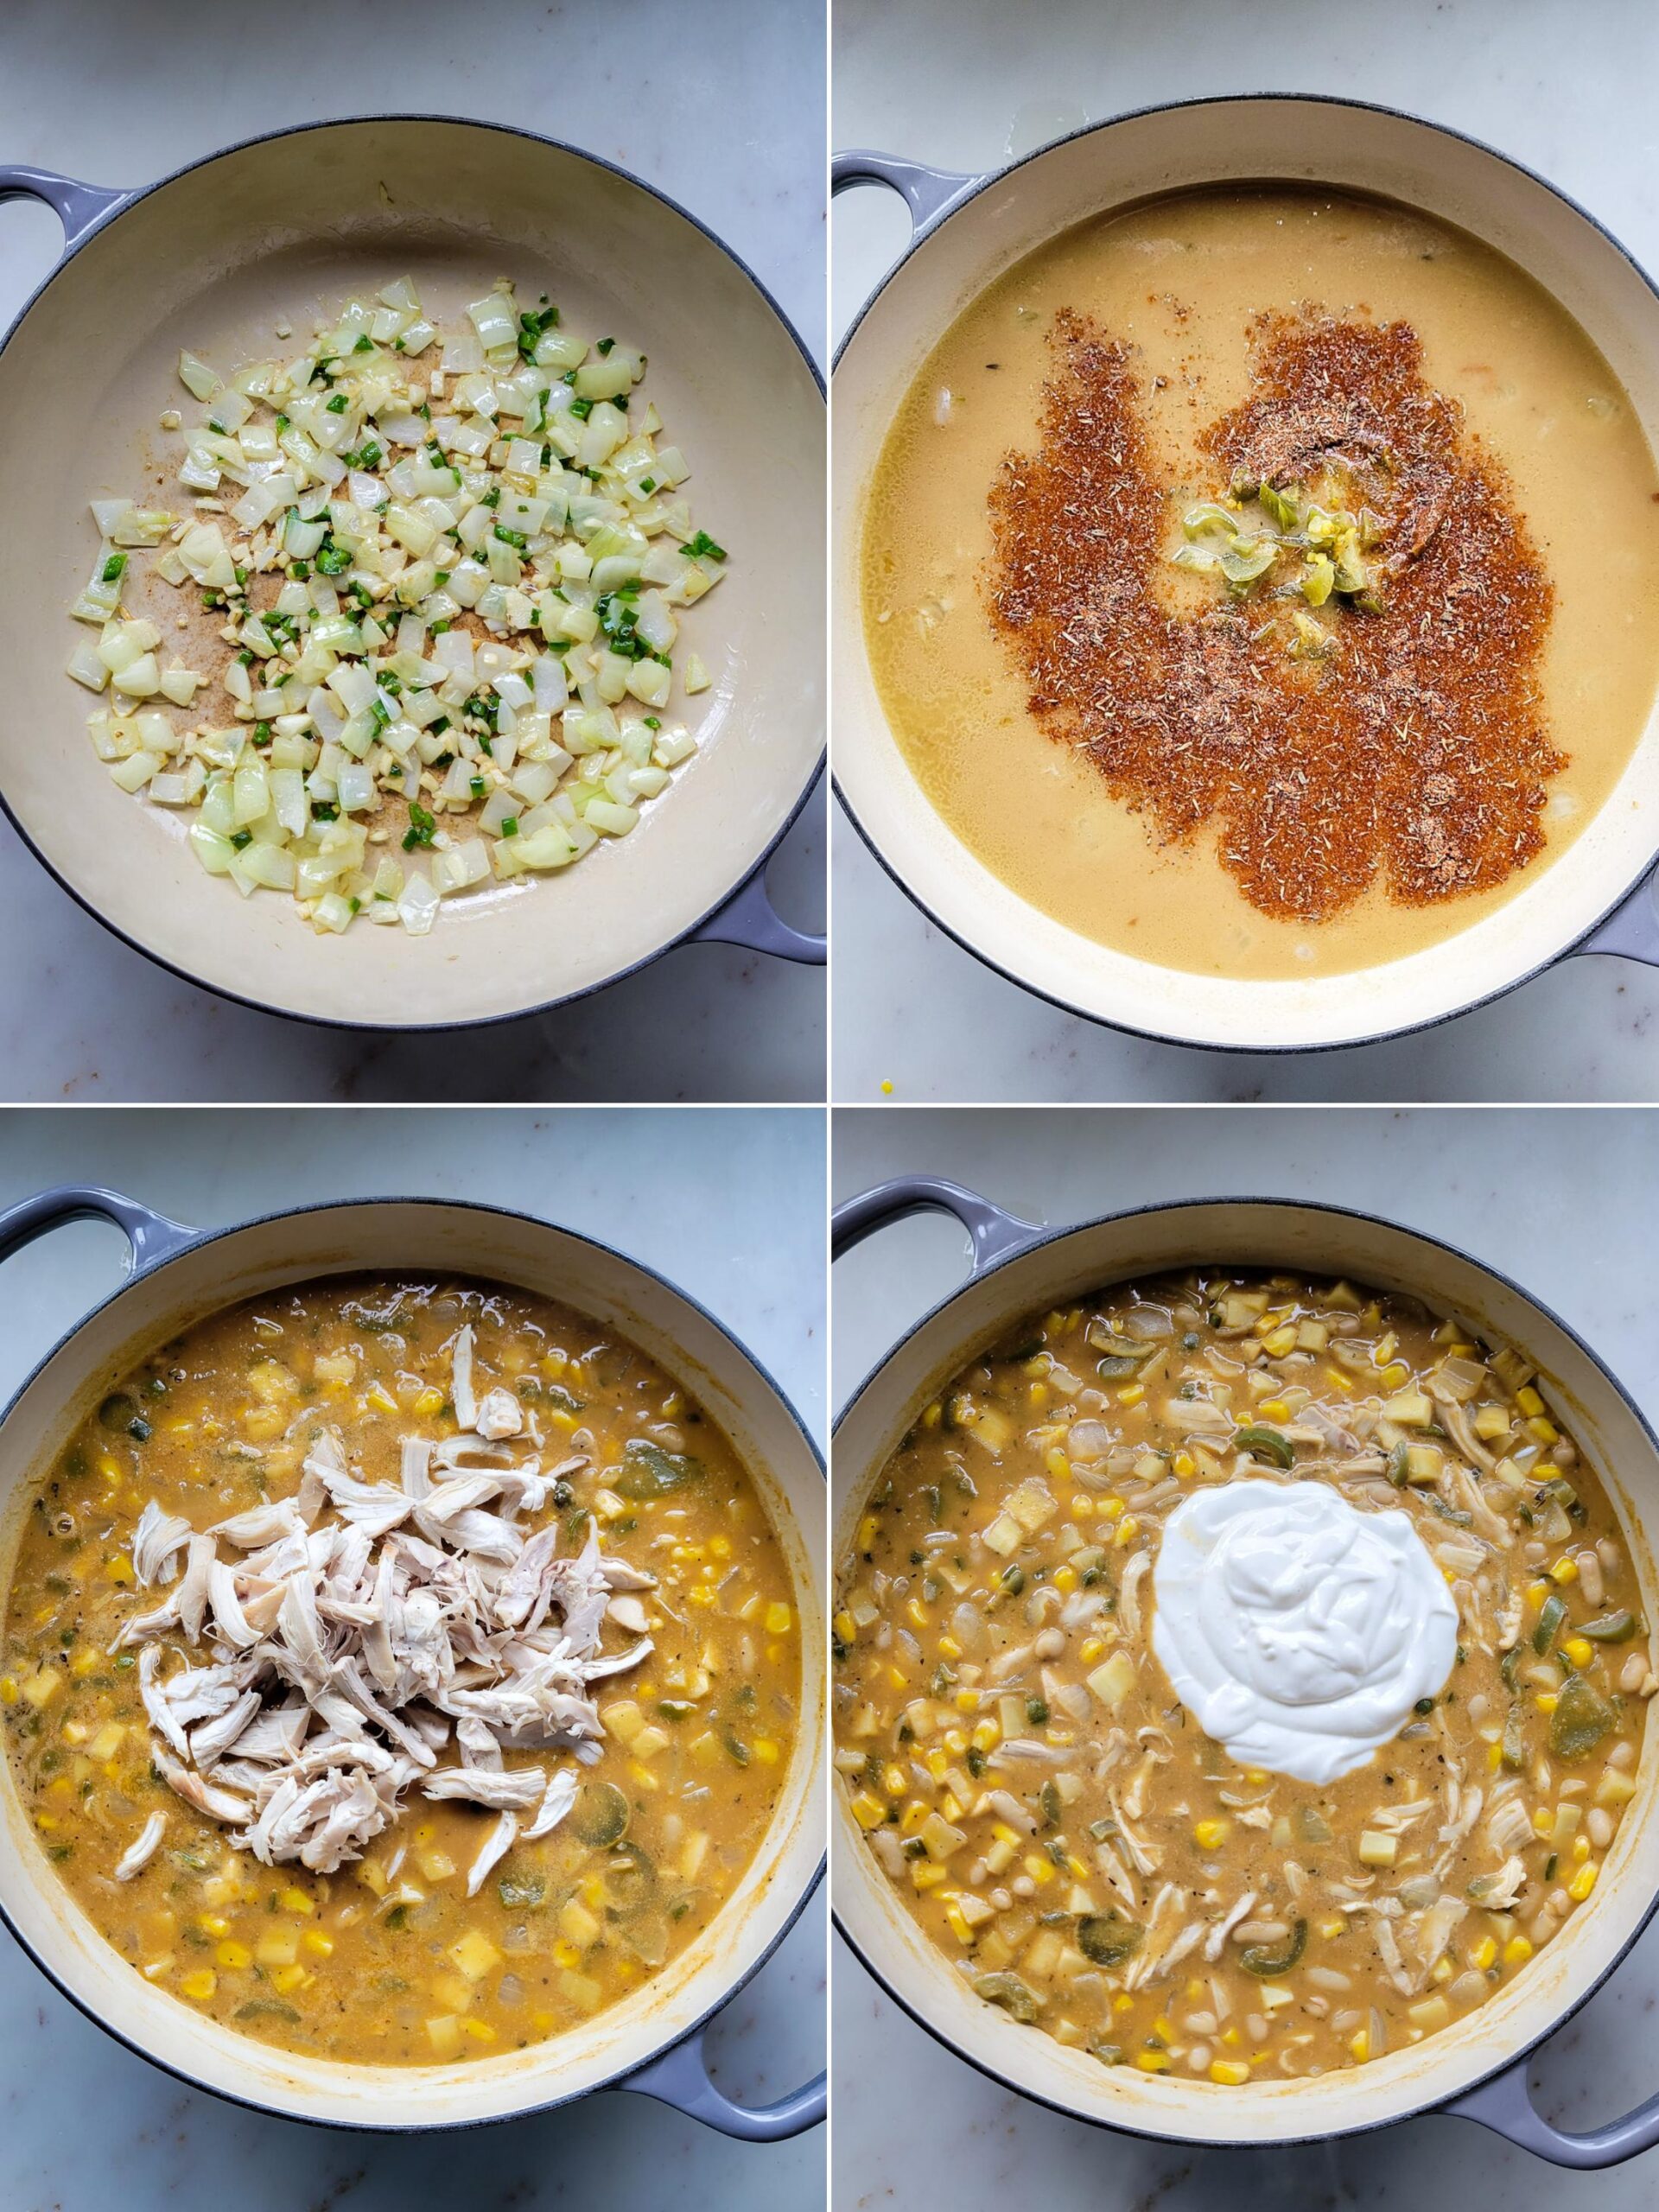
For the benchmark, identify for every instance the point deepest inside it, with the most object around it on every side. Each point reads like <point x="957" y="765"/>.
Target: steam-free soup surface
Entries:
<point x="387" y="1958"/>
<point x="1180" y="281"/>
<point x="1056" y="1820"/>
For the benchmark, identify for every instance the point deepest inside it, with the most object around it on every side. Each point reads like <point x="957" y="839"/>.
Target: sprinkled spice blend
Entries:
<point x="1410" y="747"/>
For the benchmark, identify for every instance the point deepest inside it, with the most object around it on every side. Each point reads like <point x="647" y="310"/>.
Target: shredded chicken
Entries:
<point x="344" y="1654"/>
<point x="139" y="1853"/>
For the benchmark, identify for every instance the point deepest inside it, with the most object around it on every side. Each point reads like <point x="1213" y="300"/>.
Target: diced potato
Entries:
<point x="444" y="2035"/>
<point x="1114" y="1679"/>
<point x="475" y="1954"/>
<point x="280" y="1948"/>
<point x="581" y="1991"/>
<point x="1003" y="1535"/>
<point x="624" y="1720"/>
<point x="578" y="1925"/>
<point x="1033" y="1504"/>
<point x="1377" y="1849"/>
<point x="939" y="1838"/>
<point x="1408" y="1409"/>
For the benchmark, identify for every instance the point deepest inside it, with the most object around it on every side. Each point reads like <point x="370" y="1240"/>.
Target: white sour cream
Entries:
<point x="1298" y="1631"/>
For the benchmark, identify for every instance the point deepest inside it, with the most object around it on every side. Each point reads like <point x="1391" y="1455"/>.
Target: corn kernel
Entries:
<point x="1547" y="1701"/>
<point x="1153" y="2062"/>
<point x="1517" y="1951"/>
<point x="1083" y="1507"/>
<point x="237" y="1956"/>
<point x="1210" y="1836"/>
<point x="779" y="1619"/>
<point x="318" y="1945"/>
<point x="1127" y="1529"/>
<point x="1360" y="2044"/>
<point x="1545" y="1431"/>
<point x="119" y="1570"/>
<point x="198" y="1986"/>
<point x="1066" y="1579"/>
<point x="1579" y="1650"/>
<point x="869" y="1812"/>
<point x="1485" y="1954"/>
<point x="1131" y="1394"/>
<point x="1273" y="1409"/>
<point x="1529" y="1400"/>
<point x="295" y="1900"/>
<point x="1581" y="1883"/>
<point x="1111" y="1507"/>
<point x="1581" y="1846"/>
<point x="213" y="1924"/>
<point x="1565" y="1570"/>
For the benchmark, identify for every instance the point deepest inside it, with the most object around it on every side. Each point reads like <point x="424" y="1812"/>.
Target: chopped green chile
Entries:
<point x="1010" y="1992"/>
<point x="1580" y="1719"/>
<point x="1609" y="1628"/>
<point x="1267" y="1444"/>
<point x="1108" y="1938"/>
<point x="1261" y="1960"/>
<point x="1551" y="1614"/>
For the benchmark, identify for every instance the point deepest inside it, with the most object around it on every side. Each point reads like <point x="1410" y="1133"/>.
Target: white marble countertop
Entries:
<point x="1565" y="1203"/>
<point x="740" y="1225"/>
<point x="1566" y="92"/>
<point x="722" y="108"/>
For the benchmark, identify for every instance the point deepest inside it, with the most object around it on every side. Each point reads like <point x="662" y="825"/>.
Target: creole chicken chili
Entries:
<point x="399" y="1670"/>
<point x="1361" y="1545"/>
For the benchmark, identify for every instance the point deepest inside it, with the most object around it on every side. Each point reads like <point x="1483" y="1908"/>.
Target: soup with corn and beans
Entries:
<point x="399" y="1670"/>
<point x="1374" y="1562"/>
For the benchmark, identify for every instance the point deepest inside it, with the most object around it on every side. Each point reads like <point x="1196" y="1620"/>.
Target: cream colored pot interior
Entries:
<point x="276" y="232"/>
<point x="1164" y="151"/>
<point x="411" y="1235"/>
<point x="1405" y="2081"/>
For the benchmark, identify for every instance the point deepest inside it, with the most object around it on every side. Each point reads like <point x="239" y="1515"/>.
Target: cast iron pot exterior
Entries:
<point x="1476" y="2069"/>
<point x="967" y="231"/>
<point x="653" y="2041"/>
<point x="211" y="259"/>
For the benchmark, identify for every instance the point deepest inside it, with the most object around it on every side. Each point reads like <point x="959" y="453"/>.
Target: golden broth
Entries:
<point x="387" y="1958"/>
<point x="1179" y="280"/>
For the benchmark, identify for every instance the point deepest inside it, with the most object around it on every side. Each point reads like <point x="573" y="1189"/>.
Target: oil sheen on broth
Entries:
<point x="386" y="1957"/>
<point x="1179" y="280"/>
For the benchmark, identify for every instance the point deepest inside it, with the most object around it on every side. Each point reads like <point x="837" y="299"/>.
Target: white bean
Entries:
<point x="1598" y="1825"/>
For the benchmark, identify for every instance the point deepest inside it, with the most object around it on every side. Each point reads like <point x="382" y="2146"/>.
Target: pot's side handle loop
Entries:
<point x="1630" y="932"/>
<point x="1504" y="2104"/>
<point x="79" y="207"/>
<point x="926" y="192"/>
<point x="681" y="2078"/>
<point x="995" y="1233"/>
<point x="750" y="920"/>
<point x="152" y="1236"/>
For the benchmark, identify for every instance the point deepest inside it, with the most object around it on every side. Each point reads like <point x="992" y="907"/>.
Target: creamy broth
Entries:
<point x="1180" y="281"/>
<point x="386" y="1957"/>
<point x="1055" y="1816"/>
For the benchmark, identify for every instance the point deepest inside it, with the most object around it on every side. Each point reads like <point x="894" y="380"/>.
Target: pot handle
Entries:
<point x="680" y="2078"/>
<point x="79" y="207"/>
<point x="1504" y="2104"/>
<point x="1631" y="931"/>
<point x="749" y="918"/>
<point x="994" y="1233"/>
<point x="152" y="1236"/>
<point x="926" y="192"/>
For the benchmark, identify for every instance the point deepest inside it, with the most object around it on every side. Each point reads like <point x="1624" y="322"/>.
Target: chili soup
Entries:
<point x="1240" y="1677"/>
<point x="399" y="1670"/>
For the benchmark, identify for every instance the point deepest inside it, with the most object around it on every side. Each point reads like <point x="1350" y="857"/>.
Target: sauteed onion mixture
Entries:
<point x="1050" y="1808"/>
<point x="445" y="573"/>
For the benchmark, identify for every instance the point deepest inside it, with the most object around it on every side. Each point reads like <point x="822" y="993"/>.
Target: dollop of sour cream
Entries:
<point x="1299" y="1631"/>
